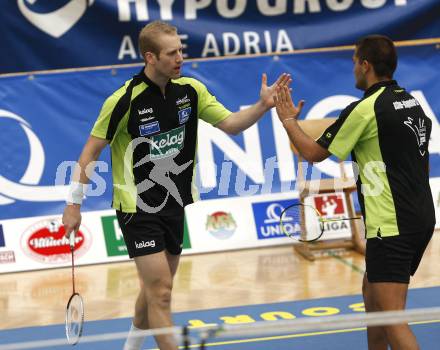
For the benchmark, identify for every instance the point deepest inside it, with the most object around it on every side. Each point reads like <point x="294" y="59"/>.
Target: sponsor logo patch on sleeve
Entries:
<point x="184" y="115"/>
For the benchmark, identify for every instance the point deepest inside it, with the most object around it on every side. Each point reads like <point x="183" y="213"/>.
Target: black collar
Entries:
<point x="373" y="88"/>
<point x="150" y="82"/>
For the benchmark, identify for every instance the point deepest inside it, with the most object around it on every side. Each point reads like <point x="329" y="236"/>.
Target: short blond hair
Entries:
<point x="148" y="36"/>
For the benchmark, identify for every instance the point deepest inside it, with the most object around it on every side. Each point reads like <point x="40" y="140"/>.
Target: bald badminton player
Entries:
<point x="151" y="126"/>
<point x="387" y="133"/>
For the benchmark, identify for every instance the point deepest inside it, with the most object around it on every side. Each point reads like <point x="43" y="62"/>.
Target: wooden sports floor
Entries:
<point x="205" y="281"/>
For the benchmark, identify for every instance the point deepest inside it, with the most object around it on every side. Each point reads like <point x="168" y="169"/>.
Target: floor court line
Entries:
<point x="291" y="336"/>
<point x="339" y="258"/>
<point x="427" y="331"/>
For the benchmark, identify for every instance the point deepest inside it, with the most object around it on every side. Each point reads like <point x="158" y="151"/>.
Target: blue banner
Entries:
<point x="51" y="34"/>
<point x="45" y="120"/>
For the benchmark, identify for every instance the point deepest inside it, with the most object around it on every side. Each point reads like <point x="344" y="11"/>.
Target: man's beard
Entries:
<point x="361" y="84"/>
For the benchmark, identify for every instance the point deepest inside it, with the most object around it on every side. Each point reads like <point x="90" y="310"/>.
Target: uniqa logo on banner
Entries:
<point x="58" y="22"/>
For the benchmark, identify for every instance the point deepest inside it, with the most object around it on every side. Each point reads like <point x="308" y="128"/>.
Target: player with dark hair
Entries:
<point x="387" y="134"/>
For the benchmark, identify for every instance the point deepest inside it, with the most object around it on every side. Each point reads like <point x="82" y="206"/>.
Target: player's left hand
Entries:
<point x="267" y="93"/>
<point x="285" y="107"/>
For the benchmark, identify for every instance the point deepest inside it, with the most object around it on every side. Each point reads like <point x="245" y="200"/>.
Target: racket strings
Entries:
<point x="313" y="224"/>
<point x="302" y="222"/>
<point x="291" y="221"/>
<point x="74" y="318"/>
<point x="75" y="308"/>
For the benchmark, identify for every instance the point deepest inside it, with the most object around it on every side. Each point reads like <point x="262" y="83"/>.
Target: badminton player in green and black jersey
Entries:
<point x="151" y="126"/>
<point x="387" y="134"/>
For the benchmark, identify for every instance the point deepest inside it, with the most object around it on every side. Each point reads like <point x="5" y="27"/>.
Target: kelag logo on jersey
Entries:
<point x="267" y="219"/>
<point x="167" y="144"/>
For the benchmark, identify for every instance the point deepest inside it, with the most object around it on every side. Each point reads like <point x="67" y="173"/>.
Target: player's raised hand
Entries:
<point x="267" y="93"/>
<point x="284" y="104"/>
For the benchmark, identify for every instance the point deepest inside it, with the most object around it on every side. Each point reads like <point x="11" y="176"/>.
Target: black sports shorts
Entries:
<point x="146" y="233"/>
<point x="395" y="258"/>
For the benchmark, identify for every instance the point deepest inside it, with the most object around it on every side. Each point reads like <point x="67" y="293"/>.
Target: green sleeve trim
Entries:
<point x="124" y="188"/>
<point x="356" y="127"/>
<point x="102" y="124"/>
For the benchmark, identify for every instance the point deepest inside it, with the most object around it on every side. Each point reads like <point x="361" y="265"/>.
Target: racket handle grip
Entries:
<point x="72" y="240"/>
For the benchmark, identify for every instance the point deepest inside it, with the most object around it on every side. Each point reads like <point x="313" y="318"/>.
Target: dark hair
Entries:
<point x="380" y="51"/>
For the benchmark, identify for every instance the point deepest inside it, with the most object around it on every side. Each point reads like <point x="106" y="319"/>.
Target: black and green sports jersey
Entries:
<point x="153" y="141"/>
<point x="387" y="133"/>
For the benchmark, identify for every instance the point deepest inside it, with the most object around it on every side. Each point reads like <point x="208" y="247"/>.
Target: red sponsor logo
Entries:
<point x="7" y="257"/>
<point x="45" y="242"/>
<point x="330" y="205"/>
<point x="221" y="225"/>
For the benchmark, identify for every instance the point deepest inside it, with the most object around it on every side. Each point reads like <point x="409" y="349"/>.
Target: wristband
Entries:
<point x="76" y="193"/>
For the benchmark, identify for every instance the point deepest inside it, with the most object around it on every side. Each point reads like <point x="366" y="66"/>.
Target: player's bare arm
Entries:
<point x="288" y="113"/>
<point x="241" y="120"/>
<point x="90" y="153"/>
